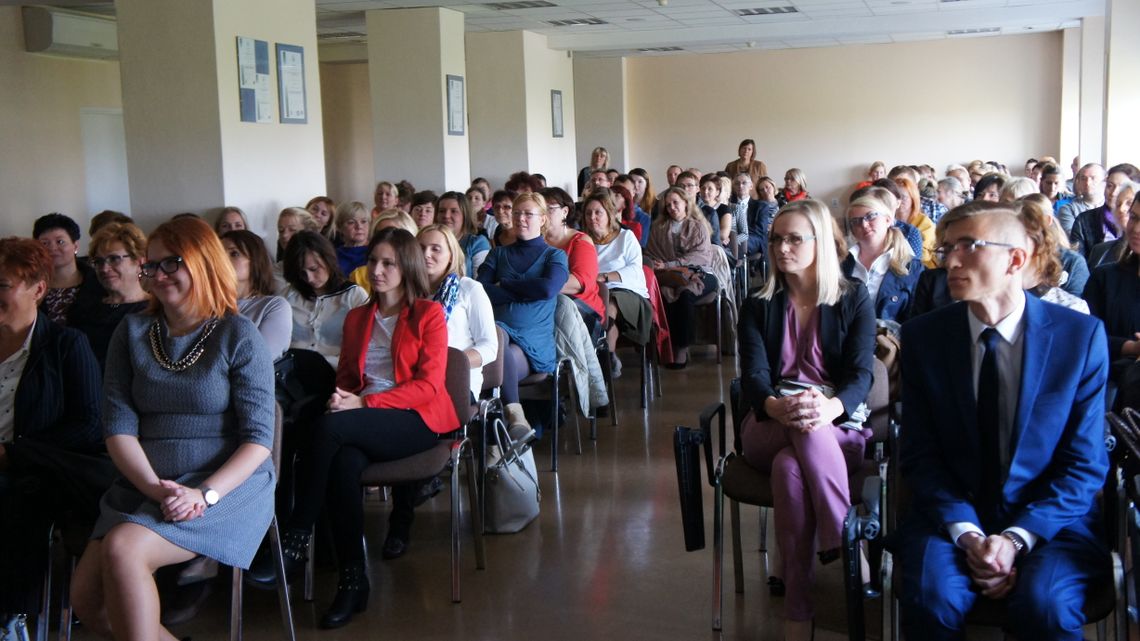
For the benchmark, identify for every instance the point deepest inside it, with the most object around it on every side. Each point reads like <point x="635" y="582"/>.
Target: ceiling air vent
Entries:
<point x="971" y="32"/>
<point x="512" y="6"/>
<point x="341" y="35"/>
<point x="659" y="49"/>
<point x="765" y="11"/>
<point x="576" y="22"/>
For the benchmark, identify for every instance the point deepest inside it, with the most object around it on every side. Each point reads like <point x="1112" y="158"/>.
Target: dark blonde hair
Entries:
<point x="1046" y="253"/>
<point x="456" y="264"/>
<point x="127" y="234"/>
<point x="213" y="290"/>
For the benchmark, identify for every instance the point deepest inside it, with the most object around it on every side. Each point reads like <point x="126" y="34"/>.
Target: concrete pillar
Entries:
<point x="1070" y="134"/>
<point x="1092" y="91"/>
<point x="600" y="109"/>
<point x="513" y="75"/>
<point x="1122" y="102"/>
<point x="187" y="148"/>
<point x="410" y="54"/>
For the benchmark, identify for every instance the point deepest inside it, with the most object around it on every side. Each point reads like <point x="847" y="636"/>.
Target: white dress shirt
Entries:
<point x="872" y="278"/>
<point x="1009" y="359"/>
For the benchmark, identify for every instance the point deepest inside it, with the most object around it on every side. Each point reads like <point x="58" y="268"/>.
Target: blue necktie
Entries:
<point x="989" y="388"/>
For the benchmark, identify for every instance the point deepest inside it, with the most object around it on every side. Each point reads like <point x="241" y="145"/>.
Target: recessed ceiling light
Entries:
<point x="765" y="11"/>
<point x="635" y="19"/>
<point x="576" y="22"/>
<point x="524" y="4"/>
<point x="659" y="49"/>
<point x="970" y="32"/>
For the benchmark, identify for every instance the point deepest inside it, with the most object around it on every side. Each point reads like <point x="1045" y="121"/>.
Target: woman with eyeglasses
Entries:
<point x="117" y="254"/>
<point x="523" y="280"/>
<point x="582" y="283"/>
<point x="196" y="475"/>
<point x="681" y="240"/>
<point x="807" y="342"/>
<point x="502" y="232"/>
<point x="881" y="257"/>
<point x="73" y="288"/>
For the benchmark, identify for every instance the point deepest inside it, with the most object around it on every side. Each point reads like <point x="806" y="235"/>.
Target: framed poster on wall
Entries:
<point x="456" y="119"/>
<point x="255" y="97"/>
<point x="556" y="113"/>
<point x="291" y="84"/>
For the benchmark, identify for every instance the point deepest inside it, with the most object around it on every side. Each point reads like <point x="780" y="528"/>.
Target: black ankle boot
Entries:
<point x="351" y="596"/>
<point x="294" y="549"/>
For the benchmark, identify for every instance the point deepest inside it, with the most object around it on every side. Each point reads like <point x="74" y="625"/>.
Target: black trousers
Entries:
<point x="682" y="313"/>
<point x="343" y="445"/>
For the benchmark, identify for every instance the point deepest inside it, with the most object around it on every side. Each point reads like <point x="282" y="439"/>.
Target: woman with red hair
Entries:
<point x="196" y="478"/>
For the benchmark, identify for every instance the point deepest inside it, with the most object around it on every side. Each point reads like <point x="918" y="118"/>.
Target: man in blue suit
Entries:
<point x="1002" y="444"/>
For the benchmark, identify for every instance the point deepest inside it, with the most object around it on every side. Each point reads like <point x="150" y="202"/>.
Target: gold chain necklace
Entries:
<point x="191" y="357"/>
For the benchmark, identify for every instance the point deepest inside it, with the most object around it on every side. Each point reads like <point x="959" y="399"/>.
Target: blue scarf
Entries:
<point x="447" y="294"/>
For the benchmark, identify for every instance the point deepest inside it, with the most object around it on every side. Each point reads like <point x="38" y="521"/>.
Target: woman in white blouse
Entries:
<point x="619" y="269"/>
<point x="318" y="293"/>
<point x="470" y="317"/>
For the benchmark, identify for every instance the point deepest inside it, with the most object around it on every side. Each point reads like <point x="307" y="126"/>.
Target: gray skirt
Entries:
<point x="635" y="316"/>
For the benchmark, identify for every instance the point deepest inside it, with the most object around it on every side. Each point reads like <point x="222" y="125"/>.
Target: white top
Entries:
<point x="872" y="278"/>
<point x="472" y="326"/>
<point x="11" y="370"/>
<point x="318" y="324"/>
<point x="1009" y="357"/>
<point x="623" y="255"/>
<point x="379" y="368"/>
<point x="1058" y="296"/>
<point x="274" y="320"/>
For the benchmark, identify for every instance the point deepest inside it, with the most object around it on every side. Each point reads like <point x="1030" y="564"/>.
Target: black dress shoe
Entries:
<point x="351" y="597"/>
<point x="395" y="546"/>
<point x="262" y="574"/>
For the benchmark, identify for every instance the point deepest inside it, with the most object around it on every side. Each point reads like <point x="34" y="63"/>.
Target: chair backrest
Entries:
<point x="458" y="384"/>
<point x="735" y="394"/>
<point x="493" y="371"/>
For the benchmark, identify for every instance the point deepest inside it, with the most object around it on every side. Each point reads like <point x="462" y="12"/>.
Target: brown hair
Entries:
<point x="1046" y="253"/>
<point x="413" y="271"/>
<point x="213" y="290"/>
<point x="252" y="247"/>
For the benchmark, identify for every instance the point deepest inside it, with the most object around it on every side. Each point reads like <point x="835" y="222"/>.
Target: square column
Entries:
<point x="1122" y="102"/>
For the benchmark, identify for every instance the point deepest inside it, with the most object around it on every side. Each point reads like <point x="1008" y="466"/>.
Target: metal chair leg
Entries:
<point x="719" y="337"/>
<point x="645" y="374"/>
<point x="476" y="516"/>
<point x="737" y="551"/>
<point x="282" y="583"/>
<point x="310" y="566"/>
<point x="45" y="598"/>
<point x="554" y="384"/>
<point x="572" y="395"/>
<point x="235" y="605"/>
<point x="456" y="450"/>
<point x="65" y="610"/>
<point x="718" y="558"/>
<point x="764" y="530"/>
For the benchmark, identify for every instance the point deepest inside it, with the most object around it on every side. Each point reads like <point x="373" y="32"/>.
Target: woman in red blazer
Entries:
<point x="390" y="403"/>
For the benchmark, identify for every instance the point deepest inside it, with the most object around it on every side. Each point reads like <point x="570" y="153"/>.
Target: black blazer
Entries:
<point x="1113" y="295"/>
<point x="1088" y="230"/>
<point x="847" y="331"/>
<point x="60" y="394"/>
<point x="930" y="293"/>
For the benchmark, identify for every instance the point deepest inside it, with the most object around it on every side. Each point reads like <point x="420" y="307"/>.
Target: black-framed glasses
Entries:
<point x="966" y="245"/>
<point x="856" y="221"/>
<point x="110" y="259"/>
<point x="168" y="265"/>
<point x="795" y="240"/>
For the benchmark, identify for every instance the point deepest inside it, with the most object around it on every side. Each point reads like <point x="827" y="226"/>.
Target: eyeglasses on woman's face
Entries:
<point x="110" y="259"/>
<point x="866" y="219"/>
<point x="793" y="240"/>
<point x="167" y="265"/>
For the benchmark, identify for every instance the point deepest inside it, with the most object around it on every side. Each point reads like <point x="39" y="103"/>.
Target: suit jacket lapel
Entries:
<point x="1036" y="340"/>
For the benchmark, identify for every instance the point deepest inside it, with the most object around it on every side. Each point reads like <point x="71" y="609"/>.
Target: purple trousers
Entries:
<point x="811" y="490"/>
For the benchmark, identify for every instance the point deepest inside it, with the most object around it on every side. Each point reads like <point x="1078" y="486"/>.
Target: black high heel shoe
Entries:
<point x="294" y="550"/>
<point x="351" y="597"/>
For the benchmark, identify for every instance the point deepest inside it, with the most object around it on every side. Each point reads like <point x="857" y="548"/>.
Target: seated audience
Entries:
<point x="477" y="203"/>
<point x="1088" y="190"/>
<point x="599" y="159"/>
<point x="1113" y="295"/>
<point x="807" y="345"/>
<point x="643" y="193"/>
<point x="582" y="260"/>
<point x="1074" y="268"/>
<point x="118" y="251"/>
<point x="318" y="293"/>
<point x="256" y="301"/>
<point x="522" y="280"/>
<point x="1015" y="188"/>
<point x="196" y="473"/>
<point x="990" y="521"/>
<point x="631" y="217"/>
<point x="739" y="204"/>
<point x="1098" y="224"/>
<point x="104" y="218"/>
<point x="1043" y="273"/>
<point x="746" y="163"/>
<point x="51" y="470"/>
<point x="73" y="288"/>
<point x="454" y="211"/>
<point x="1109" y="251"/>
<point x="680" y="253"/>
<point x="229" y="219"/>
<point x="877" y="171"/>
<point x="881" y="258"/>
<point x="910" y="212"/>
<point x="988" y="187"/>
<point x="949" y="193"/>
<point x="760" y="217"/>
<point x="290" y="221"/>
<point x="620" y="270"/>
<point x="719" y="216"/>
<point x="352" y="225"/>
<point x="503" y="232"/>
<point x="385" y="219"/>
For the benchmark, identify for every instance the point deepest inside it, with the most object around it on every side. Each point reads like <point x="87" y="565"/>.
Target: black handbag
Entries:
<point x="687" y="450"/>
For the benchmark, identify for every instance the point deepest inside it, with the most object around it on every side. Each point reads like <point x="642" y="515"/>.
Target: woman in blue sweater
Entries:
<point x="522" y="280"/>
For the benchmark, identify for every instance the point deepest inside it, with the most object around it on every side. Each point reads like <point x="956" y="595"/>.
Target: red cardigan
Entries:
<point x="419" y="357"/>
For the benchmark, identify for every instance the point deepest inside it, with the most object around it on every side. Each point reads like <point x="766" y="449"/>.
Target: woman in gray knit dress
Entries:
<point x="189" y="423"/>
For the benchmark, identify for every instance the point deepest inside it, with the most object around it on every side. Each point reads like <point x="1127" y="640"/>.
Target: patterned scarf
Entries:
<point x="447" y="294"/>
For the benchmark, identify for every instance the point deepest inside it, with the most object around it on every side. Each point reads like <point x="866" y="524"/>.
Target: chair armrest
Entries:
<point x="717" y="410"/>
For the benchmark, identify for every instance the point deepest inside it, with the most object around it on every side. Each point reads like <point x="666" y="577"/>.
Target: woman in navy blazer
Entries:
<point x="1113" y="295"/>
<point x="812" y="328"/>
<point x="881" y="258"/>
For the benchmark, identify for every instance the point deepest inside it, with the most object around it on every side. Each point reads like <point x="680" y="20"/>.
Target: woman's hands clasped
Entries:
<point x="803" y="411"/>
<point x="180" y="503"/>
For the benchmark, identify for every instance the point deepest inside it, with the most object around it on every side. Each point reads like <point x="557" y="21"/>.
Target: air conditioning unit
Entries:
<point x="70" y="33"/>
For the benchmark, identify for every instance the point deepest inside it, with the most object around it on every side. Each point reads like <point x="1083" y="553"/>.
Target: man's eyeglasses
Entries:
<point x="110" y="259"/>
<point x="966" y="245"/>
<point x="795" y="240"/>
<point x="168" y="265"/>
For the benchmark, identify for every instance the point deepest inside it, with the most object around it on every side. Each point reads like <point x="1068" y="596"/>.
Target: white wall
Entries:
<point x="600" y="109"/>
<point x="1092" y="90"/>
<point x="42" y="168"/>
<point x="1122" y="126"/>
<point x="1070" y="132"/>
<point x="346" y="105"/>
<point x="546" y="70"/>
<point x="497" y="111"/>
<point x="832" y="111"/>
<point x="453" y="61"/>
